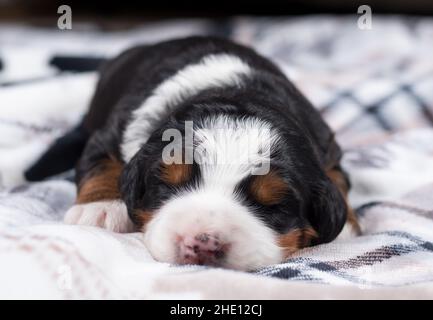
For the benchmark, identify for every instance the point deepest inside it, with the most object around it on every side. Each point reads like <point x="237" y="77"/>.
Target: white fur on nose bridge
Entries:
<point x="215" y="70"/>
<point x="252" y="243"/>
<point x="229" y="149"/>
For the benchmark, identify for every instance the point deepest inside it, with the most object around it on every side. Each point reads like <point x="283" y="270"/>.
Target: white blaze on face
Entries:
<point x="228" y="151"/>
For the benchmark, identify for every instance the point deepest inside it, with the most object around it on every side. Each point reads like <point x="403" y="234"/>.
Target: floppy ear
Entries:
<point x="132" y="184"/>
<point x="327" y="211"/>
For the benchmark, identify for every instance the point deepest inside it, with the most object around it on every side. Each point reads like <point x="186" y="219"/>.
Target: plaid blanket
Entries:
<point x="375" y="89"/>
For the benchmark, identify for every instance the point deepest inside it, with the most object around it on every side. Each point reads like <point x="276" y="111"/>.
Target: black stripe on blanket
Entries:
<point x="26" y="81"/>
<point x="388" y="204"/>
<point x="372" y="109"/>
<point x="76" y="64"/>
<point x="376" y="108"/>
<point x="408" y="89"/>
<point x="310" y="269"/>
<point x="31" y="128"/>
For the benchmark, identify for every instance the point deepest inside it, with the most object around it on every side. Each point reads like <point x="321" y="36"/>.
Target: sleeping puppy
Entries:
<point x="208" y="149"/>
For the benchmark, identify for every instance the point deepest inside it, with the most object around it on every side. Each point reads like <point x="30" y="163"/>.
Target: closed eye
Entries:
<point x="269" y="189"/>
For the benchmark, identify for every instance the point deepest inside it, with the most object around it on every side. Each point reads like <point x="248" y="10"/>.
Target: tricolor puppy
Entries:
<point x="208" y="149"/>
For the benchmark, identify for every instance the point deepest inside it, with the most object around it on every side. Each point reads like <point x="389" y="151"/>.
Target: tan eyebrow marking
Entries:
<point x="176" y="174"/>
<point x="269" y="189"/>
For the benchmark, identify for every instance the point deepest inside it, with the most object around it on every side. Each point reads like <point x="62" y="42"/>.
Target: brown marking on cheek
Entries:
<point x="268" y="189"/>
<point x="289" y="242"/>
<point x="339" y="180"/>
<point x="176" y="174"/>
<point x="101" y="183"/>
<point x="296" y="239"/>
<point x="143" y="217"/>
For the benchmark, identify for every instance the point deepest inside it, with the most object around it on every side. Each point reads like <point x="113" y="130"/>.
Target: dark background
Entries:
<point x="38" y="11"/>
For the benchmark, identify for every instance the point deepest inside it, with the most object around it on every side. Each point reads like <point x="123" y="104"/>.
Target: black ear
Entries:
<point x="327" y="211"/>
<point x="132" y="183"/>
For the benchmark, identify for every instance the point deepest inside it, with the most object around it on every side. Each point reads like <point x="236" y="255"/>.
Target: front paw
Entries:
<point x="110" y="215"/>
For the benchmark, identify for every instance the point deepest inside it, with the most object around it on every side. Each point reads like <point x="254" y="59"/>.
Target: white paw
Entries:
<point x="110" y="215"/>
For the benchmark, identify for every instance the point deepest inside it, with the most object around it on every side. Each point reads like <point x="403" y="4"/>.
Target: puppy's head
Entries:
<point x="234" y="192"/>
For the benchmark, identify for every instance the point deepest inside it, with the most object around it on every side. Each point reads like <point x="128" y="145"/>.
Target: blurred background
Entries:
<point x="369" y="83"/>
